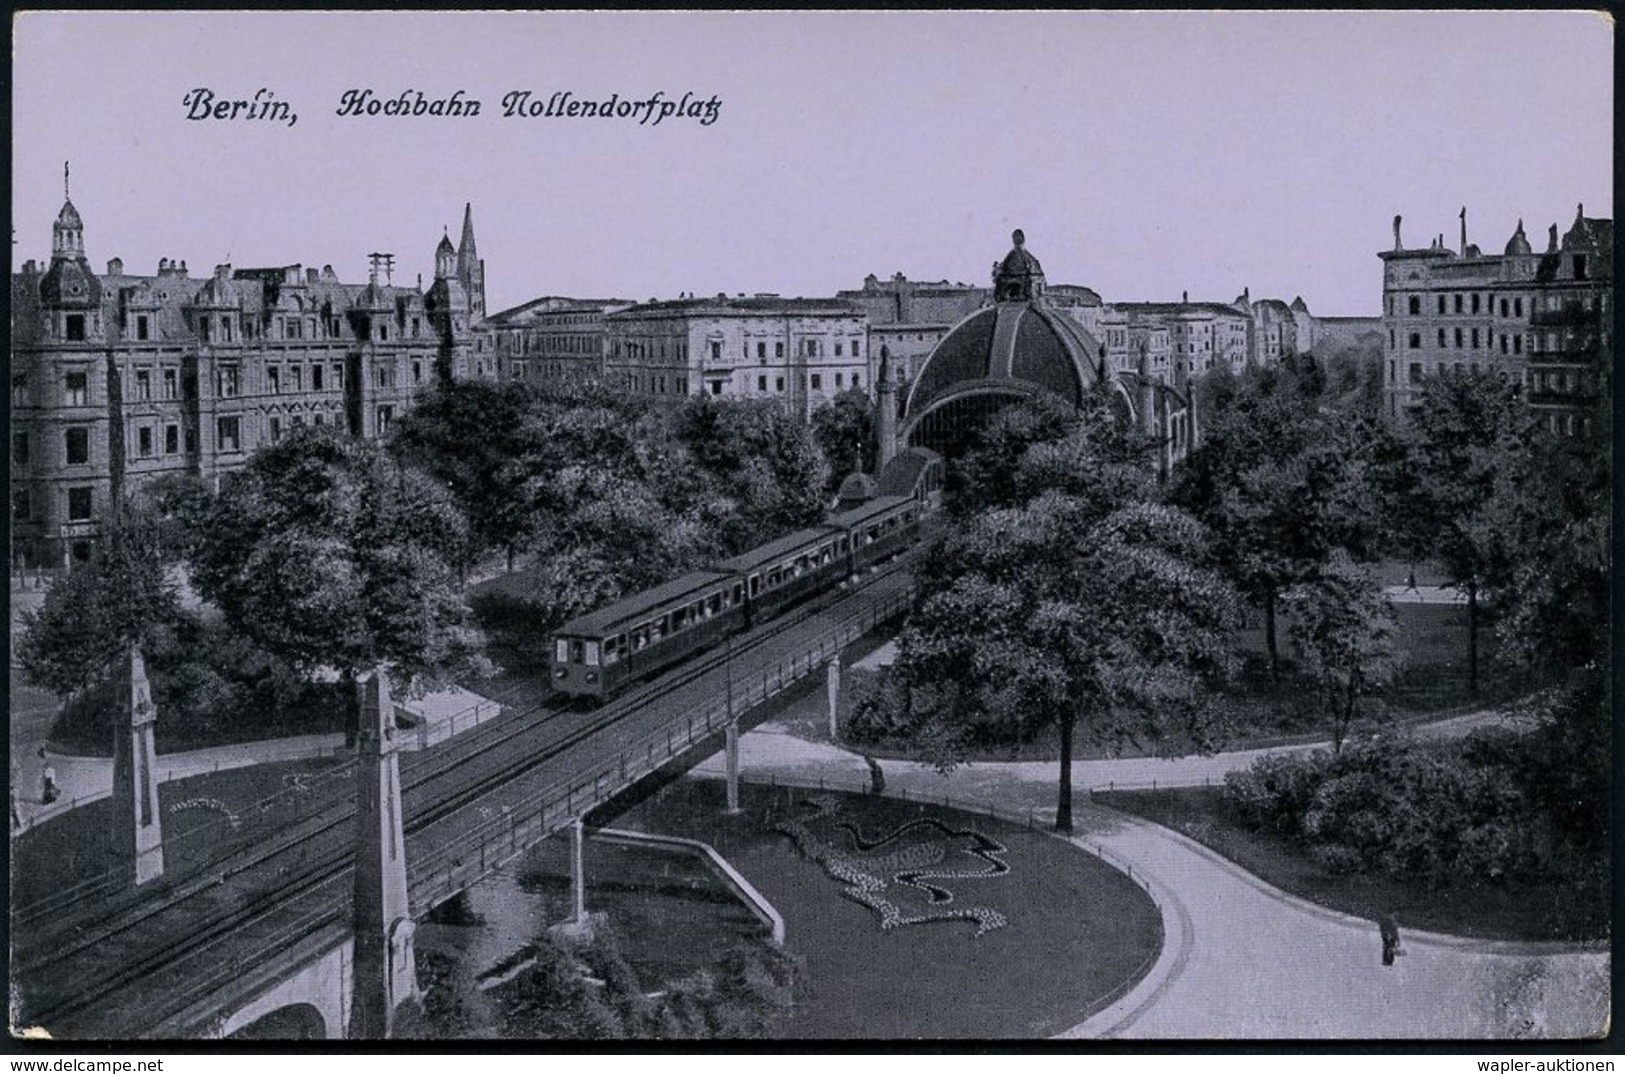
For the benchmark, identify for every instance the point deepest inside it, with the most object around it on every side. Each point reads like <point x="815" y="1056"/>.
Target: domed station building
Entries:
<point x="1021" y="347"/>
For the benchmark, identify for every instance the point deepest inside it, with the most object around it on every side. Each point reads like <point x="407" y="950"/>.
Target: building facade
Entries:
<point x="907" y="318"/>
<point x="552" y="340"/>
<point x="803" y="351"/>
<point x="118" y="379"/>
<point x="1201" y="335"/>
<point x="1540" y="319"/>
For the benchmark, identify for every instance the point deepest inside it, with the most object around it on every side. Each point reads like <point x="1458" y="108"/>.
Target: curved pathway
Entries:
<point x="1241" y="958"/>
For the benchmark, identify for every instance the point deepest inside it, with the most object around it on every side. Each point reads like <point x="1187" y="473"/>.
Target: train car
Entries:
<point x="783" y="572"/>
<point x="597" y="653"/>
<point x="879" y="529"/>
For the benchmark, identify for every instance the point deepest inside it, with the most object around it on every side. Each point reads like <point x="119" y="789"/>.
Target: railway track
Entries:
<point x="305" y="865"/>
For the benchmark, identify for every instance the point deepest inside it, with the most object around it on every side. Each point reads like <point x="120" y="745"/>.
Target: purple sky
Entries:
<point x="1143" y="154"/>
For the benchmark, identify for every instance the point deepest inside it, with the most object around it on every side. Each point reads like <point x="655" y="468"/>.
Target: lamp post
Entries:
<point x="731" y="750"/>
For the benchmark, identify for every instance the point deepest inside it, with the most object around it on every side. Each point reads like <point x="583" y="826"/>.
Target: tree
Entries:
<point x="845" y="431"/>
<point x="96" y="613"/>
<point x="1342" y="630"/>
<point x="1470" y="441"/>
<point x="1055" y="614"/>
<point x="762" y="466"/>
<point x="1282" y="483"/>
<point x="464" y="434"/>
<point x="329" y="554"/>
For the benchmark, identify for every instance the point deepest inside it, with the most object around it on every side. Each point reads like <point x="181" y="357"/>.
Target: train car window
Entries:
<point x="679" y="619"/>
<point x="613" y="647"/>
<point x="845" y="545"/>
<point x="657" y="630"/>
<point x="714" y="605"/>
<point x="640" y="637"/>
<point x="739" y="592"/>
<point x="591" y="654"/>
<point x="755" y="584"/>
<point x="562" y="651"/>
<point x="772" y="578"/>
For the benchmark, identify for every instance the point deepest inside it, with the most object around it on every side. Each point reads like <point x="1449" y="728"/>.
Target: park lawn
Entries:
<point x="1551" y="909"/>
<point x="1077" y="932"/>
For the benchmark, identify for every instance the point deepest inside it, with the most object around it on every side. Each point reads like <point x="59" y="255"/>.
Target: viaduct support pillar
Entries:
<point x="139" y="843"/>
<point x="731" y="754"/>
<point x="578" y="871"/>
<point x="385" y="973"/>
<point x="833" y="688"/>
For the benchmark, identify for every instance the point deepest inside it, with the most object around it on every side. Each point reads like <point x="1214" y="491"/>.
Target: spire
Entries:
<point x="1464" y="231"/>
<point x="466" y="251"/>
<point x="65" y="196"/>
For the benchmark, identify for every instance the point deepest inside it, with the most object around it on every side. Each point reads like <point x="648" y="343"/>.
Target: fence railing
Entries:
<point x="451" y="867"/>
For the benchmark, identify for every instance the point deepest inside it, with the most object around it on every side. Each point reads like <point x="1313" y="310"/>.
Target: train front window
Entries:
<point x="575" y="650"/>
<point x="613" y="647"/>
<point x="562" y="651"/>
<point x="591" y="654"/>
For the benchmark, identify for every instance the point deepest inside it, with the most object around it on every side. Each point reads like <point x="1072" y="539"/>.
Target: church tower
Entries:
<point x="70" y="293"/>
<point x="470" y="268"/>
<point x="447" y="305"/>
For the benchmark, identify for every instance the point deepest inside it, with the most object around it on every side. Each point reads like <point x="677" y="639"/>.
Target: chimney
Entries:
<point x="311" y="275"/>
<point x="1397" y="246"/>
<point x="183" y="268"/>
<point x="1185" y="297"/>
<point x="115" y="266"/>
<point x="1464" y="231"/>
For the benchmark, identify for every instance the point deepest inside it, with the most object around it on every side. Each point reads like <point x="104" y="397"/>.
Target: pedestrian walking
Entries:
<point x="877" y="778"/>
<point x="1410" y="581"/>
<point x="1389" y="927"/>
<point x="48" y="791"/>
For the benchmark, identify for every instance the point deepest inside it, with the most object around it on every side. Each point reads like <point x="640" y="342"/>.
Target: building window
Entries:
<point x="838" y="378"/>
<point x="417" y="327"/>
<point x="1416" y="341"/>
<point x="1517" y="344"/>
<point x="19" y="390"/>
<point x="19" y="448"/>
<point x="273" y="378"/>
<point x="296" y="378"/>
<point x="203" y="329"/>
<point x="386" y="414"/>
<point x="78" y="387"/>
<point x="1475" y="301"/>
<point x="778" y="349"/>
<point x="228" y="382"/>
<point x="143" y="441"/>
<point x="716" y="387"/>
<point x="1458" y="303"/>
<point x="1416" y="373"/>
<point x="143" y="328"/>
<point x="1441" y="303"/>
<point x="1517" y="306"/>
<point x="837" y="348"/>
<point x="856" y="381"/>
<point x="716" y="350"/>
<point x="417" y="372"/>
<point x="169" y="384"/>
<point x="78" y="443"/>
<point x="1441" y="337"/>
<point x="143" y="384"/>
<point x="778" y="384"/>
<point x="761" y="384"/>
<point x="172" y="439"/>
<point x="817" y="380"/>
<point x="319" y="419"/>
<point x="1475" y="339"/>
<point x="293" y="328"/>
<point x="1503" y="307"/>
<point x="79" y="504"/>
<point x="75" y="327"/>
<point x="275" y="425"/>
<point x="228" y="434"/>
<point x="225" y="329"/>
<point x="761" y="351"/>
<point x="1458" y="339"/>
<point x="1579" y="266"/>
<point x="855" y="352"/>
<point x="316" y="378"/>
<point x="1416" y="305"/>
<point x="22" y="508"/>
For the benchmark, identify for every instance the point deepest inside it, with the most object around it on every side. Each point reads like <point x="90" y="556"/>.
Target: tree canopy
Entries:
<point x="327" y="553"/>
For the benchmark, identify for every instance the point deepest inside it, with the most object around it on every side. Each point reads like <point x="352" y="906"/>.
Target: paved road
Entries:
<point x="1244" y="959"/>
